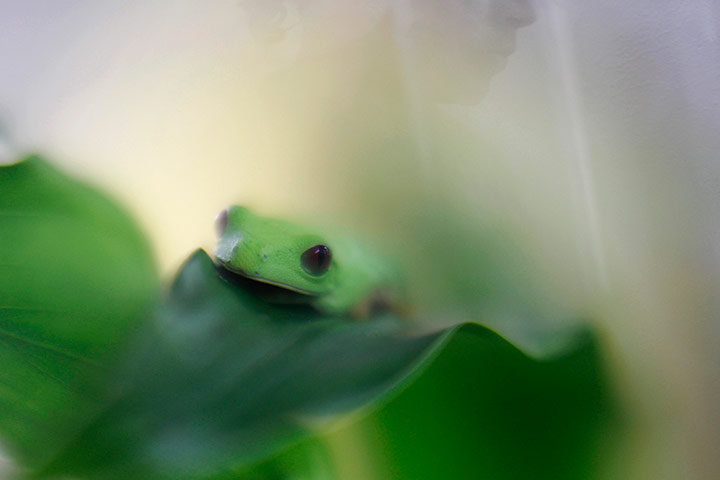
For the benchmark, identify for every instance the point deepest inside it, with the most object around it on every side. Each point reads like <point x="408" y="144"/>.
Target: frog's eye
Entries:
<point x="316" y="260"/>
<point x="221" y="222"/>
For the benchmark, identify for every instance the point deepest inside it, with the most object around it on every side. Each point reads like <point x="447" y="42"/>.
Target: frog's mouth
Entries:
<point x="263" y="287"/>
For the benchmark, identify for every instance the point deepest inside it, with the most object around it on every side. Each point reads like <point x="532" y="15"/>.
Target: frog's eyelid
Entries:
<point x="221" y="221"/>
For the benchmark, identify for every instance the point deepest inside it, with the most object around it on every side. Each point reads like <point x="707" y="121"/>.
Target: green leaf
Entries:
<point x="483" y="409"/>
<point x="224" y="379"/>
<point x="75" y="275"/>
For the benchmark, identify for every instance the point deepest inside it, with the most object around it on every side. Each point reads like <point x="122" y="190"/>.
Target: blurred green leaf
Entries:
<point x="224" y="380"/>
<point x="480" y="409"/>
<point x="75" y="275"/>
<point x="483" y="409"/>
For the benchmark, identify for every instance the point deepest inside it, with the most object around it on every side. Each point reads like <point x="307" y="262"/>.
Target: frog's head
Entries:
<point x="274" y="251"/>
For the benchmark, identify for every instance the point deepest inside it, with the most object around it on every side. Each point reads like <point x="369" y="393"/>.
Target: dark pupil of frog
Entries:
<point x="316" y="260"/>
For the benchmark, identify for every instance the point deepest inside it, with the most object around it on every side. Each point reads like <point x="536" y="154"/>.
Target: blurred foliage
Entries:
<point x="216" y="382"/>
<point x="223" y="378"/>
<point x="485" y="410"/>
<point x="75" y="277"/>
<point x="480" y="409"/>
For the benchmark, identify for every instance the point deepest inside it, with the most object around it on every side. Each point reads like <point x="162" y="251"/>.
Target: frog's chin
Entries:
<point x="255" y="278"/>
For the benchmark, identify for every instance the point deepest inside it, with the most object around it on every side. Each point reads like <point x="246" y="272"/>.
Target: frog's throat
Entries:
<point x="265" y="280"/>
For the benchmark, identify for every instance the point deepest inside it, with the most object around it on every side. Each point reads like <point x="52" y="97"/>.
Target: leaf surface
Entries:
<point x="75" y="275"/>
<point x="224" y="380"/>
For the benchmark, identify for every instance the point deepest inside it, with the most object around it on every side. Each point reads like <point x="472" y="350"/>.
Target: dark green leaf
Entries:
<point x="75" y="274"/>
<point x="481" y="409"/>
<point x="485" y="410"/>
<point x="224" y="379"/>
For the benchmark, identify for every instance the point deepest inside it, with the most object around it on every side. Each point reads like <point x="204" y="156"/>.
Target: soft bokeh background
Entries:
<point x="589" y="131"/>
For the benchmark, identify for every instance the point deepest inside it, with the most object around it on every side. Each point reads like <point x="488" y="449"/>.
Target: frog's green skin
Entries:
<point x="269" y="250"/>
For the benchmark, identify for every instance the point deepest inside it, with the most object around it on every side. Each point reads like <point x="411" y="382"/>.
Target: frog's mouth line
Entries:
<point x="245" y="275"/>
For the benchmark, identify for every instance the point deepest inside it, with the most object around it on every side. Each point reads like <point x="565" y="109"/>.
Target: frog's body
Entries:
<point x="337" y="274"/>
